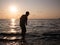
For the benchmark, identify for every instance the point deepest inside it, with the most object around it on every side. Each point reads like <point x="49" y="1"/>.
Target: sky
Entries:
<point x="39" y="9"/>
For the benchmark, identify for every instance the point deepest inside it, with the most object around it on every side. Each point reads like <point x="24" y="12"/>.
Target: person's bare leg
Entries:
<point x="23" y="33"/>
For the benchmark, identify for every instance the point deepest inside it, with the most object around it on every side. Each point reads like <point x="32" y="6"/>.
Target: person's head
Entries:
<point x="27" y="13"/>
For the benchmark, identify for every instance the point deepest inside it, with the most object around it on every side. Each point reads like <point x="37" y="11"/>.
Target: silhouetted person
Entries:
<point x="23" y="23"/>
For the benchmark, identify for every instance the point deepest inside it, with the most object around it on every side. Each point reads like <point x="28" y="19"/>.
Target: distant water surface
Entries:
<point x="12" y="25"/>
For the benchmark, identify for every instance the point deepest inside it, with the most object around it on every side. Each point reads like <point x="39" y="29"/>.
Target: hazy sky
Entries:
<point x="39" y="9"/>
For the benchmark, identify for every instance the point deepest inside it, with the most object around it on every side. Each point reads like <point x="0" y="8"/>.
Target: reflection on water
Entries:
<point x="13" y="31"/>
<point x="16" y="43"/>
<point x="12" y="43"/>
<point x="12" y="38"/>
<point x="12" y="26"/>
<point x="12" y="23"/>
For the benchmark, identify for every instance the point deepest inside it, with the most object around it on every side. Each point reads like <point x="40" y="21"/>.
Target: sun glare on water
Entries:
<point x="13" y="31"/>
<point x="12" y="22"/>
<point x="12" y="26"/>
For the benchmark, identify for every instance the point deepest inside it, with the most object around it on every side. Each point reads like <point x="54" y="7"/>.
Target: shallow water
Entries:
<point x="35" y="29"/>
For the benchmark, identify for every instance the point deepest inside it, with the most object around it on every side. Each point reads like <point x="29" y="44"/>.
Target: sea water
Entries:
<point x="35" y="27"/>
<point x="12" y="25"/>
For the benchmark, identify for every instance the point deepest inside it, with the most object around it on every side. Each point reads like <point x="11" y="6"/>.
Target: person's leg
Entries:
<point x="23" y="32"/>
